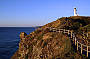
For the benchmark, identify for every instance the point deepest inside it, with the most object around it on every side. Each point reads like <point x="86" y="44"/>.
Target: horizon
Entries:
<point x="31" y="13"/>
<point x="18" y="26"/>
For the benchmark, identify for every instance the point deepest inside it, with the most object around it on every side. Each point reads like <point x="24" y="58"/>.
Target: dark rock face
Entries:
<point x="44" y="44"/>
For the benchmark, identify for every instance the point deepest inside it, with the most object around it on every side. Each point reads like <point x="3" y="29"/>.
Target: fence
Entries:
<point x="75" y="39"/>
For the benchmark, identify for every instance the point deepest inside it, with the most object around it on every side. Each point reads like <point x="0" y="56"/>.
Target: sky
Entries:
<point x="28" y="13"/>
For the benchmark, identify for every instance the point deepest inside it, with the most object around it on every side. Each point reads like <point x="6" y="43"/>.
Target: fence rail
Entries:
<point x="76" y="42"/>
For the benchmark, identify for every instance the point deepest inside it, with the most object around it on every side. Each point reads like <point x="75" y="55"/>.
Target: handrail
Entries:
<point x="66" y="32"/>
<point x="72" y="33"/>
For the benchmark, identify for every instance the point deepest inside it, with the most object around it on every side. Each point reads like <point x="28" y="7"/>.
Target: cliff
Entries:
<point x="45" y="44"/>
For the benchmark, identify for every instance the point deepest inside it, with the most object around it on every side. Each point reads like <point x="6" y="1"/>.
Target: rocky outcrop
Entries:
<point x="44" y="44"/>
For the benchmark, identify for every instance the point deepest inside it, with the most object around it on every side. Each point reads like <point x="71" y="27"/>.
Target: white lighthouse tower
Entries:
<point x="75" y="12"/>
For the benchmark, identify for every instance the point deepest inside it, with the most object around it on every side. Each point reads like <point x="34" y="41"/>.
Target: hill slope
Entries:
<point x="51" y="45"/>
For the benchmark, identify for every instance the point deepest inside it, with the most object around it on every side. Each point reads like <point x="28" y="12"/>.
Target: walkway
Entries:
<point x="78" y="44"/>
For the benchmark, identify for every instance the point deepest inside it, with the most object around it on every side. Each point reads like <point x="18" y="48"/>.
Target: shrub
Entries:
<point x="26" y="56"/>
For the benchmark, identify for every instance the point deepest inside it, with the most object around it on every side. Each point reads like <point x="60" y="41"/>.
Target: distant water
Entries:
<point x="9" y="39"/>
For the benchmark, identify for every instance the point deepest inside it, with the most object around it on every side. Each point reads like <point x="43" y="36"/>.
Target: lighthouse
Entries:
<point x="75" y="12"/>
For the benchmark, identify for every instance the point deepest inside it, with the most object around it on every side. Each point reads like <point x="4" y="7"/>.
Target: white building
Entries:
<point x="75" y="12"/>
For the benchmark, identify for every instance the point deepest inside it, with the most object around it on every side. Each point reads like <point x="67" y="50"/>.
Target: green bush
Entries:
<point x="45" y="43"/>
<point x="26" y="56"/>
<point x="40" y="37"/>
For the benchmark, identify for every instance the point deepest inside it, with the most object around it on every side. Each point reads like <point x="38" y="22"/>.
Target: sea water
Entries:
<point x="9" y="40"/>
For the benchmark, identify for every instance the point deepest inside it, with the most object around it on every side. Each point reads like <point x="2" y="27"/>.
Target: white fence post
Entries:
<point x="71" y="34"/>
<point x="59" y="31"/>
<point x="50" y="29"/>
<point x="64" y="31"/>
<point x="75" y="41"/>
<point x="77" y="45"/>
<point x="87" y="50"/>
<point x="68" y="32"/>
<point x="87" y="35"/>
<point x="81" y="48"/>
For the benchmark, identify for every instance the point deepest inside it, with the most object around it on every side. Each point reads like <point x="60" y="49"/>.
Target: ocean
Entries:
<point x="9" y="40"/>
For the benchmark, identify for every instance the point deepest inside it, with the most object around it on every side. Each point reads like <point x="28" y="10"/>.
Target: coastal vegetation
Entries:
<point x="43" y="44"/>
